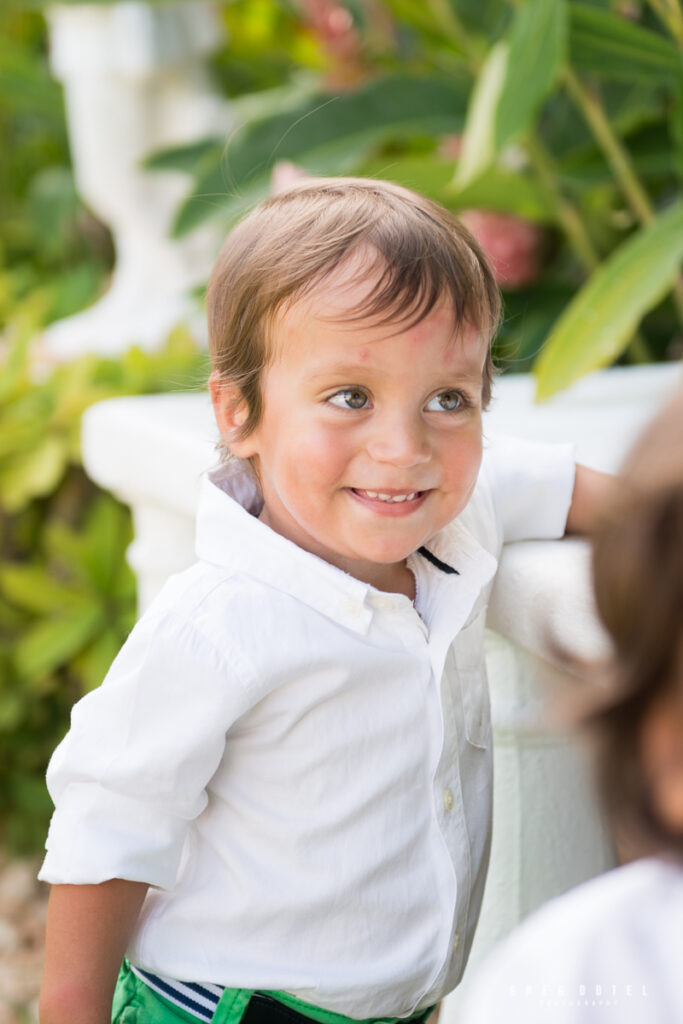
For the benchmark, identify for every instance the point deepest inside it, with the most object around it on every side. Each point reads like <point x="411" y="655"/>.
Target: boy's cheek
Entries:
<point x="464" y="464"/>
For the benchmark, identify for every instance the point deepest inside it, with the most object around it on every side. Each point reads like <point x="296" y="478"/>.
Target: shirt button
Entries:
<point x="447" y="800"/>
<point x="385" y="604"/>
<point x="351" y="608"/>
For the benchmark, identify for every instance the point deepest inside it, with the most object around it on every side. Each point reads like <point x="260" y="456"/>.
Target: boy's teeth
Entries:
<point x="390" y="497"/>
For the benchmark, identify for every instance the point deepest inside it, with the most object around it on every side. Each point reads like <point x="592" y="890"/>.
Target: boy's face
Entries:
<point x="370" y="439"/>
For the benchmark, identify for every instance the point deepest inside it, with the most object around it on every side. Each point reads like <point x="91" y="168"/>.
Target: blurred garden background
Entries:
<point x="554" y="127"/>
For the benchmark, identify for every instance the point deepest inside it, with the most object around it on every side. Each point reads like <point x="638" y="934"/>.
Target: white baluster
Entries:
<point x="135" y="82"/>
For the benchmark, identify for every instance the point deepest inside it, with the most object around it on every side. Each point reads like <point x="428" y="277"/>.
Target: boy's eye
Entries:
<point x="446" y="401"/>
<point x="352" y="398"/>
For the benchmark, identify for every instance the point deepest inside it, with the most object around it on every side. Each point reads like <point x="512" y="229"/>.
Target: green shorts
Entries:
<point x="136" y="1003"/>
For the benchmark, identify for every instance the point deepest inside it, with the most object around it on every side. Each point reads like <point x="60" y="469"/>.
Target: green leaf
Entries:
<point x="480" y="147"/>
<point x="50" y="643"/>
<point x="597" y="325"/>
<point x="93" y="664"/>
<point x="190" y="158"/>
<point x="427" y="173"/>
<point x="651" y="156"/>
<point x="517" y="76"/>
<point x="506" y="192"/>
<point x="11" y="712"/>
<point x="15" y="366"/>
<point x="676" y="126"/>
<point x="610" y="46"/>
<point x="529" y="316"/>
<point x="33" y="475"/>
<point x="106" y="537"/>
<point x="67" y="548"/>
<point x="325" y="134"/>
<point x="32" y="588"/>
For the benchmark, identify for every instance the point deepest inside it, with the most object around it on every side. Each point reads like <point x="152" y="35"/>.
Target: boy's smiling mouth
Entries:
<point x="385" y="496"/>
<point x="389" y="500"/>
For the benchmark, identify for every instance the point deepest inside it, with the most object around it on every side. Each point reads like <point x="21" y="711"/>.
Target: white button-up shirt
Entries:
<point x="298" y="763"/>
<point x="606" y="952"/>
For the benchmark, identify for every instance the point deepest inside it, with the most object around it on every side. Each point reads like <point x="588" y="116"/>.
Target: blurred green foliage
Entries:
<point x="67" y="596"/>
<point x="53" y="253"/>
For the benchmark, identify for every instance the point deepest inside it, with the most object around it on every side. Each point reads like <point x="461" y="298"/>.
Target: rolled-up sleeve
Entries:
<point x="134" y="767"/>
<point x="532" y="485"/>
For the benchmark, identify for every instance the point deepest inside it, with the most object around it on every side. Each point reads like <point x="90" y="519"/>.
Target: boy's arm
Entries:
<point x="589" y="499"/>
<point x="88" y="928"/>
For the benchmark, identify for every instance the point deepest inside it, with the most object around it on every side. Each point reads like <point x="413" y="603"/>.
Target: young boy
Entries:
<point x="284" y="784"/>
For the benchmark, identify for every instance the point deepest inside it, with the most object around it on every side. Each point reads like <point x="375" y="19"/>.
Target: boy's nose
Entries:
<point x="399" y="441"/>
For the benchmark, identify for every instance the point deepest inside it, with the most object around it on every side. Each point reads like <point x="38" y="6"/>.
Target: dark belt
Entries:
<point x="263" y="1009"/>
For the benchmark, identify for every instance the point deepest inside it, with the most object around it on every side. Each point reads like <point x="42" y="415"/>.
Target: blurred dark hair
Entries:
<point x="638" y="581"/>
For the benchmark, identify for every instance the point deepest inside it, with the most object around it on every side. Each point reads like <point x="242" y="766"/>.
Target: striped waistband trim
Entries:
<point x="199" y="1000"/>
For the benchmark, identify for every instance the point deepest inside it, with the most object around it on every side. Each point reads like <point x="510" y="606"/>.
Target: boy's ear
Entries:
<point x="231" y="412"/>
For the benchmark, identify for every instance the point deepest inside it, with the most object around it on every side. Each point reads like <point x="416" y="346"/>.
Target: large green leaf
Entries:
<point x="51" y="642"/>
<point x="427" y="173"/>
<point x="676" y="126"/>
<point x="506" y="192"/>
<point x="34" y="475"/>
<point x="430" y="174"/>
<point x="651" y="154"/>
<point x="598" y="324"/>
<point x="529" y="316"/>
<point x="32" y="588"/>
<point x="517" y="76"/>
<point x="95" y="661"/>
<point x="325" y="134"/>
<point x="15" y="366"/>
<point x="67" y="549"/>
<point x="106" y="536"/>
<point x="190" y="158"/>
<point x="614" y="47"/>
<point x="11" y="712"/>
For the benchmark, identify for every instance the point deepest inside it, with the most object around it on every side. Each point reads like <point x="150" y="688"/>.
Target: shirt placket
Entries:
<point x="448" y="798"/>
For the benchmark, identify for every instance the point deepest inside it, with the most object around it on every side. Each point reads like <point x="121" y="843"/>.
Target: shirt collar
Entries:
<point x="453" y="593"/>
<point x="230" y="534"/>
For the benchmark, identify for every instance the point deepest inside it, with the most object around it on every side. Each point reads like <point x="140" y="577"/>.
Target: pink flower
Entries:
<point x="450" y="146"/>
<point x="333" y="26"/>
<point x="513" y="246"/>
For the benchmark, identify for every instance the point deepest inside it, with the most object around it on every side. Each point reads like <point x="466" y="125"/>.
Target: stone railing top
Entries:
<point x="153" y="446"/>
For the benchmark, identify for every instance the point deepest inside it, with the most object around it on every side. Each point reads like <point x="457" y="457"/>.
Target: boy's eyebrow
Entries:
<point x="341" y="370"/>
<point x="351" y="370"/>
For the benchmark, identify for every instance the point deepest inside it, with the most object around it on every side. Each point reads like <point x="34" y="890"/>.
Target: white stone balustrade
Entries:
<point x="135" y="81"/>
<point x="548" y="835"/>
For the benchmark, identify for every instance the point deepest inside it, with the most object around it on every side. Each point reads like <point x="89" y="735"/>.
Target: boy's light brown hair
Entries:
<point x="419" y="254"/>
<point x="638" y="581"/>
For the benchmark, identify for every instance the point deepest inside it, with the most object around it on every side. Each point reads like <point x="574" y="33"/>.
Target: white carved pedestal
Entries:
<point x="547" y="833"/>
<point x="135" y="81"/>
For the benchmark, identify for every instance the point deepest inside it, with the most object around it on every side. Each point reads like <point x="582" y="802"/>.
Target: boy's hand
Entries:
<point x="88" y="928"/>
<point x="592" y="490"/>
